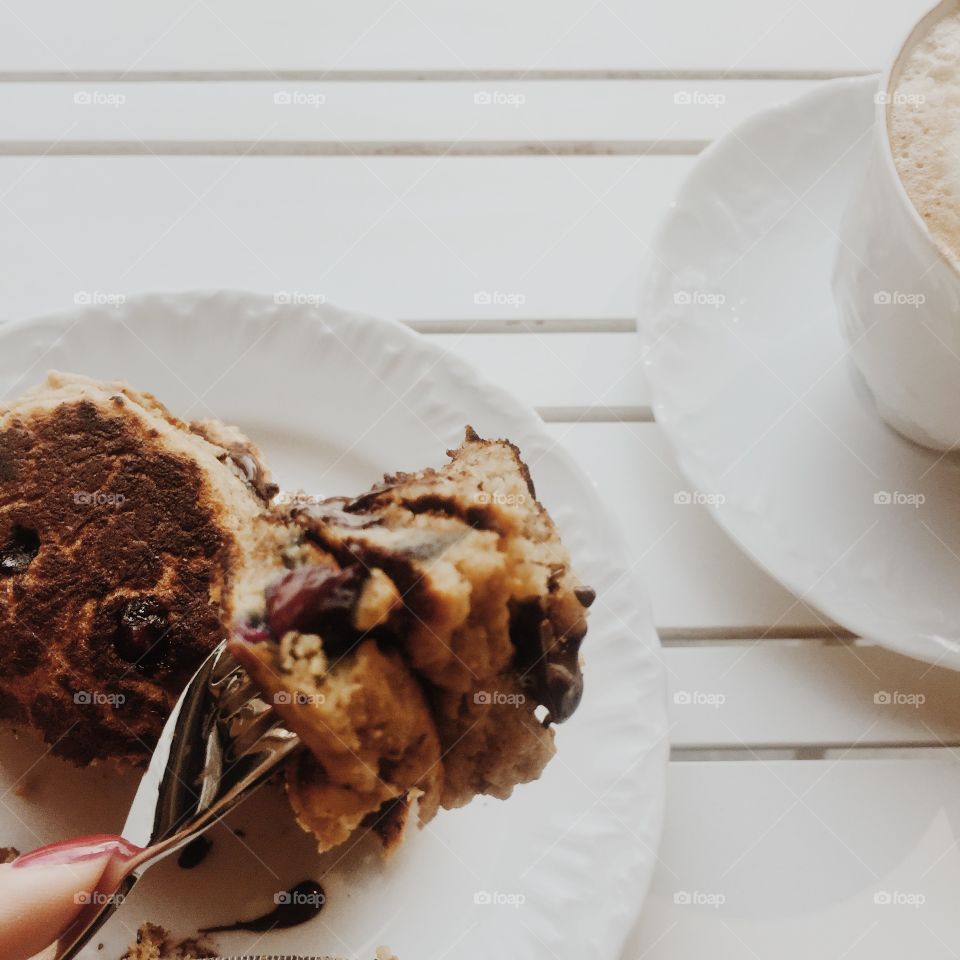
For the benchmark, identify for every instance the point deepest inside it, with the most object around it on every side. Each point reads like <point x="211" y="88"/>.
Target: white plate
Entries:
<point x="335" y="400"/>
<point x="753" y="386"/>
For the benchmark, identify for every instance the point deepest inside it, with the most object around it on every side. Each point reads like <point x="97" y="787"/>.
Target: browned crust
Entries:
<point x="119" y="519"/>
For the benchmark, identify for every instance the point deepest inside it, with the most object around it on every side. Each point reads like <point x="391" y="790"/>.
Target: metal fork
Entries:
<point x="221" y="741"/>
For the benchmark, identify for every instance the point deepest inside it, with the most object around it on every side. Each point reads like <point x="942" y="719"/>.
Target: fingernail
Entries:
<point x="78" y="850"/>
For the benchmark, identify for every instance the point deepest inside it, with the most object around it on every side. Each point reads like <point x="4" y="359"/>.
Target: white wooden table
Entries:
<point x="489" y="171"/>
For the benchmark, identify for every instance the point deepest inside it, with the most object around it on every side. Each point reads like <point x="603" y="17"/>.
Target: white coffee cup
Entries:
<point x="897" y="292"/>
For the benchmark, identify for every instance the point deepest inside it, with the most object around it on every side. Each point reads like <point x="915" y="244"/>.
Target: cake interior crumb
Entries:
<point x="155" y="943"/>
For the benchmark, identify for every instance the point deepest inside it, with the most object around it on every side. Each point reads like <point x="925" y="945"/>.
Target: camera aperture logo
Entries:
<point x="299" y="98"/>
<point x="899" y="898"/>
<point x="297" y="498"/>
<point x="311" y="896"/>
<point x="699" y="698"/>
<point x="497" y="898"/>
<point x="98" y="298"/>
<point x="685" y="498"/>
<point x="99" y="98"/>
<point x="897" y="498"/>
<point x="899" y="698"/>
<point x="300" y="698"/>
<point x="499" y="298"/>
<point x="500" y="499"/>
<point x="88" y="498"/>
<point x="899" y="298"/>
<point x="95" y="698"/>
<point x="899" y="98"/>
<point x="499" y="98"/>
<point x="498" y="698"/>
<point x="88" y="898"/>
<point x="698" y="898"/>
<point x="699" y="98"/>
<point x="699" y="298"/>
<point x="299" y="298"/>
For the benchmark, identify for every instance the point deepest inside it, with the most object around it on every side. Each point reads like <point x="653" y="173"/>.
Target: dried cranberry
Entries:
<point x="252" y="632"/>
<point x="316" y="599"/>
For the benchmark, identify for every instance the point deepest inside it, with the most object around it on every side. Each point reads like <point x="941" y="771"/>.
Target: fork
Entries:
<point x="221" y="742"/>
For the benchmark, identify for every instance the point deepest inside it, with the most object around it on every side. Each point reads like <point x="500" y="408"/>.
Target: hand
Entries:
<point x="43" y="892"/>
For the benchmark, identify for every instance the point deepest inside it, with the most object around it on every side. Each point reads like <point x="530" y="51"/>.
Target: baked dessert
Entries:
<point x="425" y="645"/>
<point x="126" y="539"/>
<point x="422" y="639"/>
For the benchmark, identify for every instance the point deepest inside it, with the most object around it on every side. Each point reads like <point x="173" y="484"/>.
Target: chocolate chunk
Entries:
<point x="317" y="599"/>
<point x="19" y="551"/>
<point x="295" y="906"/>
<point x="586" y="595"/>
<point x="338" y="512"/>
<point x="141" y="632"/>
<point x="549" y="665"/>
<point x="241" y="457"/>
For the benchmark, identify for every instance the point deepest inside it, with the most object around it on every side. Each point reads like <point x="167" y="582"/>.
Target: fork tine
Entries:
<point x="252" y="733"/>
<point x="239" y="691"/>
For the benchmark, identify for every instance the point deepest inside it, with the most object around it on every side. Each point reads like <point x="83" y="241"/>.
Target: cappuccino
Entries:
<point x="923" y="121"/>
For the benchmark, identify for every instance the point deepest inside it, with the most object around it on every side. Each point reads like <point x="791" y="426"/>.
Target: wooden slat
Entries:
<point x="417" y="36"/>
<point x="565" y="376"/>
<point x="787" y="694"/>
<point x="854" y="859"/>
<point x="520" y="117"/>
<point x="700" y="583"/>
<point x="426" y="239"/>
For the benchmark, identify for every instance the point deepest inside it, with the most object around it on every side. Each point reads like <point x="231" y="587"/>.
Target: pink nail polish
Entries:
<point x="78" y="850"/>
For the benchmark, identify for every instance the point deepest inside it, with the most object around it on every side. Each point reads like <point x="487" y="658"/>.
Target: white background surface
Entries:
<point x="789" y="815"/>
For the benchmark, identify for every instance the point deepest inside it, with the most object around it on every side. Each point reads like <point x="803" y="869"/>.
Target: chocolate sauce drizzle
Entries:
<point x="297" y="905"/>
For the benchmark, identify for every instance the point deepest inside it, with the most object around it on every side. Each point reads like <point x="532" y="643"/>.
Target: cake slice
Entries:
<point x="454" y="584"/>
<point x="422" y="639"/>
<point x="127" y="540"/>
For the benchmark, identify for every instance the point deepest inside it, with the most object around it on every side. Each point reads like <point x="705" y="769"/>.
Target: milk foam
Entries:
<point x="924" y="126"/>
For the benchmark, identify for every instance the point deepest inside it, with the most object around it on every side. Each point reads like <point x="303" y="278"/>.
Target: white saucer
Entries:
<point x="753" y="387"/>
<point x="335" y="400"/>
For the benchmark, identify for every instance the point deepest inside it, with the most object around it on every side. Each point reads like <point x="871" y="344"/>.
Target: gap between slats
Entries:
<point x="408" y="76"/>
<point x="764" y="754"/>
<point x="299" y="148"/>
